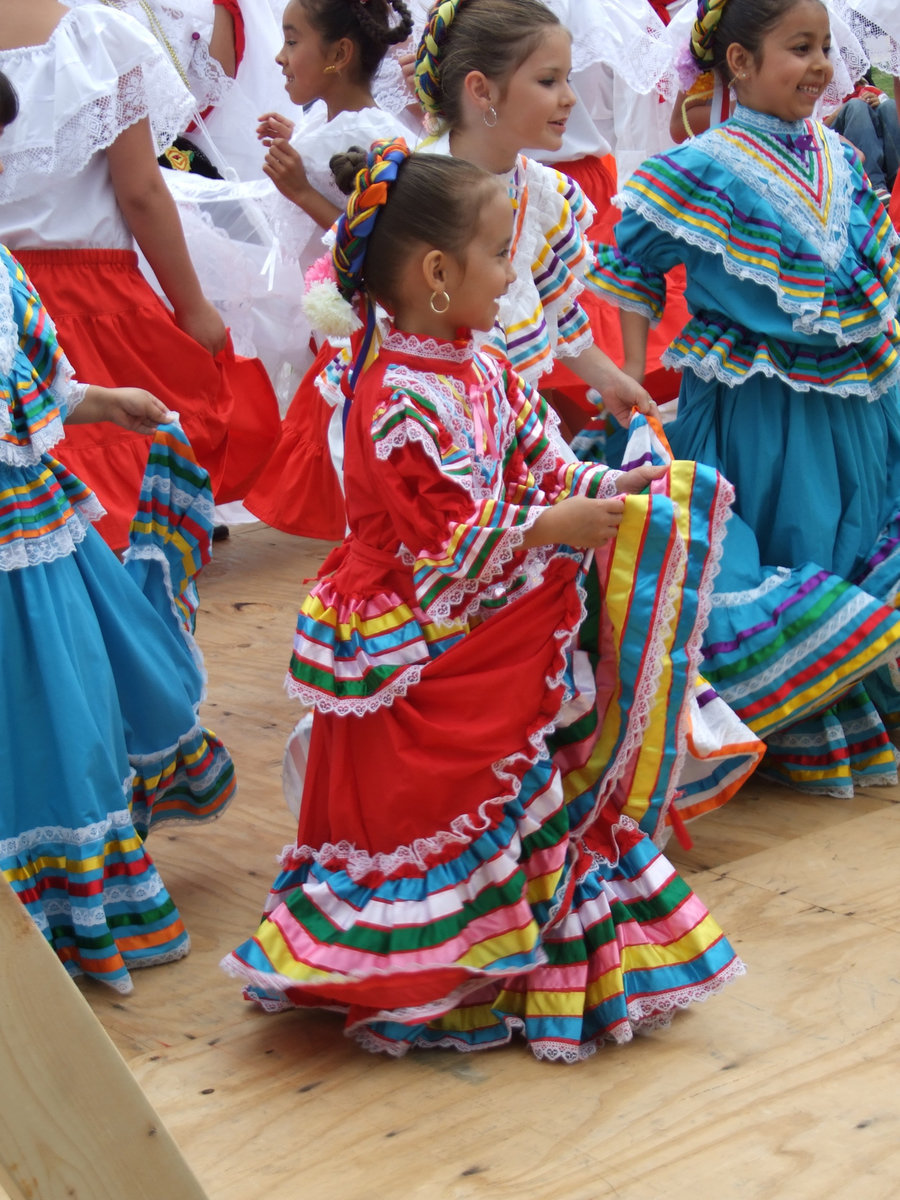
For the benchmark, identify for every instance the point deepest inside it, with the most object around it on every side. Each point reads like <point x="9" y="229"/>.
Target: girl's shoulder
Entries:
<point x="65" y="85"/>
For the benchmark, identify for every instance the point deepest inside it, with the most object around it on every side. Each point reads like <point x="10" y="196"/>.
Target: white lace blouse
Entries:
<point x="97" y="74"/>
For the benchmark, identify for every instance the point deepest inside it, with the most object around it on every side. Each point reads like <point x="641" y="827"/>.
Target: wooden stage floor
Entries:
<point x="786" y="1085"/>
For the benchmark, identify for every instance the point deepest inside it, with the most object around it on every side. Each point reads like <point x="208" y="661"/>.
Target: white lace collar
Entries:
<point x="434" y="349"/>
<point x="766" y="123"/>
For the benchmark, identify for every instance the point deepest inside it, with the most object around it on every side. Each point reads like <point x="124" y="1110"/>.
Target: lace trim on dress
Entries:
<point x="104" y="73"/>
<point x="156" y="554"/>
<point x="185" y="39"/>
<point x="115" y="823"/>
<point x="453" y="605"/>
<point x="821" y="636"/>
<point x="428" y="347"/>
<point x="357" y="706"/>
<point x="59" y="543"/>
<point x="404" y="434"/>
<point x="708" y="367"/>
<point x="769" y="584"/>
<point x="807" y="321"/>
<point x="825" y="229"/>
<point x="871" y="27"/>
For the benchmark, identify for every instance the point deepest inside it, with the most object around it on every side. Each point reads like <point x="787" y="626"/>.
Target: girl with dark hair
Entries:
<point x="467" y="862"/>
<point x="99" y="735"/>
<point x="790" y="386"/>
<point x="331" y="51"/>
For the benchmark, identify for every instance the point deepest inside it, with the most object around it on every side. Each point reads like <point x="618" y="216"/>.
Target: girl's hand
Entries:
<point x="621" y="394"/>
<point x="578" y="521"/>
<point x="203" y="323"/>
<point x="132" y="408"/>
<point x="634" y="481"/>
<point x="137" y="410"/>
<point x="273" y="125"/>
<point x="285" y="168"/>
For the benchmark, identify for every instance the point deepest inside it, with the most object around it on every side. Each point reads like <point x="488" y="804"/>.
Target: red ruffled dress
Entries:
<point x="466" y="863"/>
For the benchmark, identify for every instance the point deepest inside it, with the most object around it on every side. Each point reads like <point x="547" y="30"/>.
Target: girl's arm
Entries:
<point x="285" y="168"/>
<point x="221" y="43"/>
<point x="635" y="329"/>
<point x="132" y="408"/>
<point x="621" y="393"/>
<point x="152" y="217"/>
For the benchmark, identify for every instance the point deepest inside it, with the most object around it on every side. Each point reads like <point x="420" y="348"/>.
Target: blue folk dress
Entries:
<point x="101" y="677"/>
<point x="790" y="366"/>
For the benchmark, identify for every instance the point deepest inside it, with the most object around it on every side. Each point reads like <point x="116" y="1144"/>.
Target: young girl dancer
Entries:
<point x="495" y="73"/>
<point x="100" y="737"/>
<point x="77" y="191"/>
<point x="332" y="49"/>
<point x="790" y="363"/>
<point x="454" y="879"/>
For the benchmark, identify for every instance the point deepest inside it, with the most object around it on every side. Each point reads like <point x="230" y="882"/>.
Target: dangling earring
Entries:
<point x="492" y="112"/>
<point x="330" y="69"/>
<point x="434" y="308"/>
<point x="735" y="78"/>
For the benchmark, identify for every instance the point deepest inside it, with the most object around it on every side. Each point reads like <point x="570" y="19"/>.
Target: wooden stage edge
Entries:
<point x="785" y="1086"/>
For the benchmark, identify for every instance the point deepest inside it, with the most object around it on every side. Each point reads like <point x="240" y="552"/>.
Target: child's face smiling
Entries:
<point x="794" y="67"/>
<point x="303" y="57"/>
<point x="537" y="99"/>
<point x="486" y="271"/>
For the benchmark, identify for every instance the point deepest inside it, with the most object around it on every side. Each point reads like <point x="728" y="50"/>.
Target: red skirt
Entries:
<point x="116" y="332"/>
<point x="298" y="491"/>
<point x="894" y="209"/>
<point x="597" y="179"/>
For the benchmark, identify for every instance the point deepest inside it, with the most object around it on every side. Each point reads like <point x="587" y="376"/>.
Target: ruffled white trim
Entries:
<point x="59" y="543"/>
<point x="355" y="707"/>
<point x="769" y="584"/>
<point x="407" y="432"/>
<point x="428" y="347"/>
<point x="115" y="822"/>
<point x="830" y="238"/>
<point x="101" y="72"/>
<point x="184" y="36"/>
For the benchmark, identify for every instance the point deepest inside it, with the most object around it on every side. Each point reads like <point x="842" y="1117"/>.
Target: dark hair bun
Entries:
<point x="346" y="165"/>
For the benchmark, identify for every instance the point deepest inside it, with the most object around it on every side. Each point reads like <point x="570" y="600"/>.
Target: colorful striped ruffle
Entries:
<point x="646" y="653"/>
<point x="554" y="917"/>
<point x="88" y="772"/>
<point x="540" y="316"/>
<point x="95" y="894"/>
<point x="714" y="347"/>
<point x="702" y="198"/>
<point x="795" y="657"/>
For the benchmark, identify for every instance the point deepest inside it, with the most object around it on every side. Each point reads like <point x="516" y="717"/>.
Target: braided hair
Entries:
<point x="491" y="36"/>
<point x="398" y="201"/>
<point x="720" y="23"/>
<point x="365" y="22"/>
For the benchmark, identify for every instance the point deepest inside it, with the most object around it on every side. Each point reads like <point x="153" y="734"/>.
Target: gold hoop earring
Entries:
<point x="493" y="114"/>
<point x="434" y="308"/>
